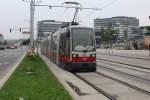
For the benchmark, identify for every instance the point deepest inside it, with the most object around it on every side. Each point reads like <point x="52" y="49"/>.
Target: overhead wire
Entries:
<point x="93" y="12"/>
<point x="108" y="4"/>
<point x="63" y="13"/>
<point x="90" y="13"/>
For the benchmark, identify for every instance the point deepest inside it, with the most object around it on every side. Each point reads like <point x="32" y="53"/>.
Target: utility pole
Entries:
<point x="32" y="9"/>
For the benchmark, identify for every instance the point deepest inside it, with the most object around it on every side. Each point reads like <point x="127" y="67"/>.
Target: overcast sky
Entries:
<point x="15" y="13"/>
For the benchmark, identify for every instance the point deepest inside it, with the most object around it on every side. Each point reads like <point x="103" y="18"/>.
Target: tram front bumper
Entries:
<point x="82" y="66"/>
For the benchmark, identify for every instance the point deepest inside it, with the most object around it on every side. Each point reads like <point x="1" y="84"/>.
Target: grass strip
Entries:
<point x="32" y="80"/>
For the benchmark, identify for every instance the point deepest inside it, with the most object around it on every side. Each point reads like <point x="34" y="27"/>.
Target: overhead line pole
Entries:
<point x="32" y="9"/>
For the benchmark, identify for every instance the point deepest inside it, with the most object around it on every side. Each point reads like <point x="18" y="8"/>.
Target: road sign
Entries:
<point x="26" y="32"/>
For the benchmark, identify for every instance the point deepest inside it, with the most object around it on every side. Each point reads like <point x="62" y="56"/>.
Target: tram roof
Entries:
<point x="79" y="26"/>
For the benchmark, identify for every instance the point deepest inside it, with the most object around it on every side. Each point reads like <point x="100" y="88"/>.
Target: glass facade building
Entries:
<point x="127" y="27"/>
<point x="46" y="27"/>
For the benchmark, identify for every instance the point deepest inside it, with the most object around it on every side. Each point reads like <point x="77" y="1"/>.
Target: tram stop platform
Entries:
<point x="78" y="89"/>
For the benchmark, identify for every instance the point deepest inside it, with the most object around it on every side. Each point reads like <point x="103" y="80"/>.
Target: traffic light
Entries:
<point x="20" y="29"/>
<point x="10" y="30"/>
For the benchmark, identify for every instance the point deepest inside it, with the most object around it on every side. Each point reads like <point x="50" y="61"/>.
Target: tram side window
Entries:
<point x="61" y="44"/>
<point x="67" y="51"/>
<point x="64" y="44"/>
<point x="54" y="44"/>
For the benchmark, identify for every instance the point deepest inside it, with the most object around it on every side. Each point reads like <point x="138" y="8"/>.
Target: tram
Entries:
<point x="72" y="47"/>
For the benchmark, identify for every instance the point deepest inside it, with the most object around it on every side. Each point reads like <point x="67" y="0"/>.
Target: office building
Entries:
<point x="127" y="27"/>
<point x="46" y="27"/>
<point x="144" y="30"/>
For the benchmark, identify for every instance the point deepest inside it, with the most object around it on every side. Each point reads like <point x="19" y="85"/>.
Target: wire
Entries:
<point x="86" y="16"/>
<point x="63" y="13"/>
<point x="108" y="4"/>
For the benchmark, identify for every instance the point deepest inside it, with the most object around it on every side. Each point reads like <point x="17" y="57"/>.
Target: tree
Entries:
<point x="109" y="34"/>
<point x="148" y="32"/>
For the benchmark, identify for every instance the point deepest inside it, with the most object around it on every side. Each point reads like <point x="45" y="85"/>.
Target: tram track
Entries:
<point x="109" y="96"/>
<point x="126" y="84"/>
<point x="125" y="66"/>
<point x="128" y="73"/>
<point x="125" y="73"/>
<point x="117" y="69"/>
<point x="125" y="56"/>
<point x="104" y="91"/>
<point x="136" y="66"/>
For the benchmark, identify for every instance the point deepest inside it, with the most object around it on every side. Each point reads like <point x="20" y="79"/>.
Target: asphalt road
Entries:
<point x="8" y="58"/>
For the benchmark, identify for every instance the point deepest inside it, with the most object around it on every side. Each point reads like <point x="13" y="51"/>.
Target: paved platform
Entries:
<point x="83" y="91"/>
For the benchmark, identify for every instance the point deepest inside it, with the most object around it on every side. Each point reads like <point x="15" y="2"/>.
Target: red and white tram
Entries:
<point x="72" y="48"/>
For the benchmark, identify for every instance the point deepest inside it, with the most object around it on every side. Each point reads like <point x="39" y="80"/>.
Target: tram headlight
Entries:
<point x="93" y="55"/>
<point x="74" y="55"/>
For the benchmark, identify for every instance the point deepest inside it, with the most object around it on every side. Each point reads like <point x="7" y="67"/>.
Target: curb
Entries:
<point x="10" y="72"/>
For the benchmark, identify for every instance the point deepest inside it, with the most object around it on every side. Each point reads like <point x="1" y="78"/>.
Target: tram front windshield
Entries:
<point x="83" y="39"/>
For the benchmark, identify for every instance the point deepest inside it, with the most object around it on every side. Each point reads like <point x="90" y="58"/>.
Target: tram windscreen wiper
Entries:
<point x="87" y="49"/>
<point x="90" y="44"/>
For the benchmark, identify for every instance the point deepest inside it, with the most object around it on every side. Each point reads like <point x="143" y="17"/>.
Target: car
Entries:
<point x="11" y="46"/>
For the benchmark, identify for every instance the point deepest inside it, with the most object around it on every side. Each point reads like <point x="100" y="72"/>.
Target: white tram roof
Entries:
<point x="73" y="26"/>
<point x="79" y="26"/>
